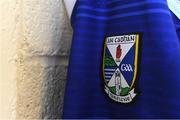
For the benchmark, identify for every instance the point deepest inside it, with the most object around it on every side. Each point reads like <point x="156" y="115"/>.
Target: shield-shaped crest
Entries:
<point x="120" y="67"/>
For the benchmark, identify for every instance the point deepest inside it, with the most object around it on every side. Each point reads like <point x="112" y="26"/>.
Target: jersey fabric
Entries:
<point x="124" y="61"/>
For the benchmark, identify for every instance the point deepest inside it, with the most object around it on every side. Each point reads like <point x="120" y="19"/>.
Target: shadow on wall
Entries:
<point x="53" y="86"/>
<point x="56" y="72"/>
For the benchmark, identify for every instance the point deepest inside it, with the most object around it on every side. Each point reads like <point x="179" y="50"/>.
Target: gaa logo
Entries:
<point x="126" y="67"/>
<point x="120" y="67"/>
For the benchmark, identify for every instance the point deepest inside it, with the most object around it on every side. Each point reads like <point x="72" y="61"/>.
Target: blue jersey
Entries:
<point x="125" y="60"/>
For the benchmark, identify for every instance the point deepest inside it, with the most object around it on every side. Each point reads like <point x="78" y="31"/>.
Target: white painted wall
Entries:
<point x="9" y="37"/>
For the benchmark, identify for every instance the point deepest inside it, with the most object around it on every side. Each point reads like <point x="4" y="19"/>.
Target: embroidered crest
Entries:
<point x="120" y="67"/>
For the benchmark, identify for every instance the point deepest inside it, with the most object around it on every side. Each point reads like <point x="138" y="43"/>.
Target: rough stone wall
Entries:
<point x="35" y="39"/>
<point x="43" y="53"/>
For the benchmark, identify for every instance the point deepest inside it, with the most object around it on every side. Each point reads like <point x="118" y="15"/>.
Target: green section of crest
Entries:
<point x="124" y="91"/>
<point x="109" y="62"/>
<point x="113" y="90"/>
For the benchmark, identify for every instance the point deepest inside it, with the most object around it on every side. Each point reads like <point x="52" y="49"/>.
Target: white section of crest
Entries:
<point x="123" y="81"/>
<point x="125" y="49"/>
<point x="174" y="6"/>
<point x="69" y="6"/>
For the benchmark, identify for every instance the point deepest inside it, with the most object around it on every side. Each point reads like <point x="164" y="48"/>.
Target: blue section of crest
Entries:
<point x="125" y="65"/>
<point x="107" y="52"/>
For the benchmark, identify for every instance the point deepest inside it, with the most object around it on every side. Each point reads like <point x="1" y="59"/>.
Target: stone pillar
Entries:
<point x="35" y="41"/>
<point x="43" y="52"/>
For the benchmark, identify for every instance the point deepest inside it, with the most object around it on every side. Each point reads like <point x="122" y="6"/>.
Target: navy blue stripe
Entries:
<point x="149" y="11"/>
<point x="86" y="34"/>
<point x="120" y="11"/>
<point x="130" y="7"/>
<point x="140" y="23"/>
<point x="115" y="3"/>
<point x="115" y="21"/>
